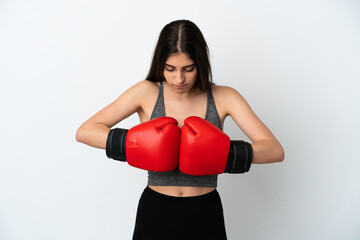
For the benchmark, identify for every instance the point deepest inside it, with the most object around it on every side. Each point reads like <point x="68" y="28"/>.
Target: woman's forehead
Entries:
<point x="179" y="59"/>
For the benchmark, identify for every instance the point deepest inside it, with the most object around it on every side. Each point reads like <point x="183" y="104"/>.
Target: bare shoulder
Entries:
<point x="227" y="98"/>
<point x="240" y="111"/>
<point x="136" y="94"/>
<point x="129" y="102"/>
<point x="143" y="88"/>
<point x="219" y="89"/>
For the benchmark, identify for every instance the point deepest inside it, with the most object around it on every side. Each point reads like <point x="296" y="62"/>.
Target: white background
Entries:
<point x="295" y="62"/>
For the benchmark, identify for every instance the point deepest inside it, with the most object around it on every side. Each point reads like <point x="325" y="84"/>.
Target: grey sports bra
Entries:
<point x="177" y="178"/>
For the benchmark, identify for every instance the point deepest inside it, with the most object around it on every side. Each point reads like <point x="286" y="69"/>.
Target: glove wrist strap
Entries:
<point x="240" y="157"/>
<point x="115" y="144"/>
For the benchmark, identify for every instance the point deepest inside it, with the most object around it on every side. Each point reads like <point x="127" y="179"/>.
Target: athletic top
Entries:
<point x="177" y="178"/>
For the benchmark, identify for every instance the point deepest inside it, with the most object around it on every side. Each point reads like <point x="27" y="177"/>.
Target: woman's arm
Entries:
<point x="266" y="148"/>
<point x="94" y="131"/>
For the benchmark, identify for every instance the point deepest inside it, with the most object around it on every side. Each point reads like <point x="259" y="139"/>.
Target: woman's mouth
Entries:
<point x="179" y="86"/>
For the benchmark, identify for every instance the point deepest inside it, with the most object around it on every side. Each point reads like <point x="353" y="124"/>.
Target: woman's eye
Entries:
<point x="189" y="69"/>
<point x="170" y="69"/>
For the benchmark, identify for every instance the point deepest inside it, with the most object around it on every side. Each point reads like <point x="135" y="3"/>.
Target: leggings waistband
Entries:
<point x="193" y="199"/>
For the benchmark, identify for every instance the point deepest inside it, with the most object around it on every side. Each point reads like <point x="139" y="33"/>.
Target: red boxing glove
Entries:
<point x="206" y="150"/>
<point x="152" y="145"/>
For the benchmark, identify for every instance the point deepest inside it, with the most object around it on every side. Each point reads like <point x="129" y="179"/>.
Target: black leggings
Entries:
<point x="161" y="216"/>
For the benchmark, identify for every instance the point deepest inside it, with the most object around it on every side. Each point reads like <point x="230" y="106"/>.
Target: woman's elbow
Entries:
<point x="280" y="155"/>
<point x="79" y="134"/>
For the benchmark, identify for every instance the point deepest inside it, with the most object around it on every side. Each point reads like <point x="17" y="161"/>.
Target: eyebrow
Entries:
<point x="183" y="67"/>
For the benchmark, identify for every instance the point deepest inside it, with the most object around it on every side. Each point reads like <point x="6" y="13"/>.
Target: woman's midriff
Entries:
<point x="182" y="191"/>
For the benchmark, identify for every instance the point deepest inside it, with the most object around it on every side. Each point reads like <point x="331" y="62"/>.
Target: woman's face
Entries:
<point x="180" y="72"/>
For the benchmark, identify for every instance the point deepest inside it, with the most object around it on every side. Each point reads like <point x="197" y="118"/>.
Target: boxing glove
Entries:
<point x="206" y="150"/>
<point x="152" y="145"/>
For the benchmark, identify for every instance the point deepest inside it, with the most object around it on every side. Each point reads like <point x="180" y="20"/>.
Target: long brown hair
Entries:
<point x="182" y="36"/>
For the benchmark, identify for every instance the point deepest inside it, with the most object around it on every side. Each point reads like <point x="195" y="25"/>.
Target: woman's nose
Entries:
<point x="180" y="77"/>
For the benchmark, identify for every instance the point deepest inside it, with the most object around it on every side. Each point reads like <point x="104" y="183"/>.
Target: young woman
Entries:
<point x="181" y="200"/>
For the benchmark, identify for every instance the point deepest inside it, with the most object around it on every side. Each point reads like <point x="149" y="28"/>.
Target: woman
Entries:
<point x="181" y="200"/>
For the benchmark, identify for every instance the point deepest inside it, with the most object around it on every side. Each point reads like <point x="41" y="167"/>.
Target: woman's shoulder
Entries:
<point x="227" y="97"/>
<point x="138" y="93"/>
<point x="146" y="85"/>
<point x="143" y="88"/>
<point x="224" y="92"/>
